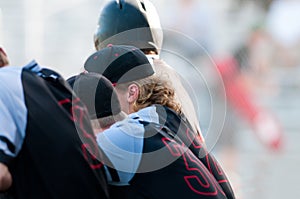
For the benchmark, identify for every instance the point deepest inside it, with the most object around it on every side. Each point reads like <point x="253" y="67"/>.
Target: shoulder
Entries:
<point x="10" y="83"/>
<point x="12" y="109"/>
<point x="149" y="114"/>
<point x="124" y="136"/>
<point x="8" y="75"/>
<point x="129" y="127"/>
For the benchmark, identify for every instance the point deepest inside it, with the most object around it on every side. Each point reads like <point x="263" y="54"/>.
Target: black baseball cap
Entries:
<point x="120" y="63"/>
<point x="97" y="93"/>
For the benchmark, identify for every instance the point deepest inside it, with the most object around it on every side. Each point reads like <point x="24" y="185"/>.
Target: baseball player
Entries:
<point x="47" y="145"/>
<point x="136" y="23"/>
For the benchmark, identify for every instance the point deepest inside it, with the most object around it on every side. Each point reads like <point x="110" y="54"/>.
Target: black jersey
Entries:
<point x="182" y="131"/>
<point x="184" y="177"/>
<point x="48" y="143"/>
<point x="165" y="159"/>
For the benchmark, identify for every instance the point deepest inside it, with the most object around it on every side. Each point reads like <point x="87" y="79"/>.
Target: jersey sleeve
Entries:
<point x="123" y="145"/>
<point x="12" y="113"/>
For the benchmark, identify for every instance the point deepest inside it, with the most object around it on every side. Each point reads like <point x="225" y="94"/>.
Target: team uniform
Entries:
<point x="153" y="154"/>
<point x="145" y="156"/>
<point x="46" y="138"/>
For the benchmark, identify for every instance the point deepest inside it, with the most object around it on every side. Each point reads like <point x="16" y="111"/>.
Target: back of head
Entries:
<point x="129" y="22"/>
<point x="97" y="93"/>
<point x="156" y="90"/>
<point x="120" y="64"/>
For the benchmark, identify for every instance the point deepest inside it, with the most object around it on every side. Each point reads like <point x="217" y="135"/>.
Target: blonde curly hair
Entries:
<point x="156" y="90"/>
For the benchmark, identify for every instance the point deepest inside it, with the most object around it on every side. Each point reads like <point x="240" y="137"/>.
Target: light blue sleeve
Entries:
<point x="123" y="145"/>
<point x="13" y="112"/>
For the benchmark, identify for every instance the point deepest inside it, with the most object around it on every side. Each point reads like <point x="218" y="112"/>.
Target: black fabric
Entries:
<point x="97" y="93"/>
<point x="59" y="155"/>
<point x="71" y="80"/>
<point x="114" y="174"/>
<point x="10" y="145"/>
<point x="125" y="192"/>
<point x="5" y="159"/>
<point x="184" y="177"/>
<point x="181" y="128"/>
<point x="120" y="64"/>
<point x="174" y="164"/>
<point x="6" y="195"/>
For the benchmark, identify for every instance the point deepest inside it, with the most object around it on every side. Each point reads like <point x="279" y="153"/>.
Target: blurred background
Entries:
<point x="241" y="59"/>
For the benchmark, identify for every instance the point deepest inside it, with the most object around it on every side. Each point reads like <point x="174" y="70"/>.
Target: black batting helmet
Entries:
<point x="129" y="22"/>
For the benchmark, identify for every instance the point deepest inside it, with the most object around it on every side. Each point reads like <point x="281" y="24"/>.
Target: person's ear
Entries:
<point x="133" y="93"/>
